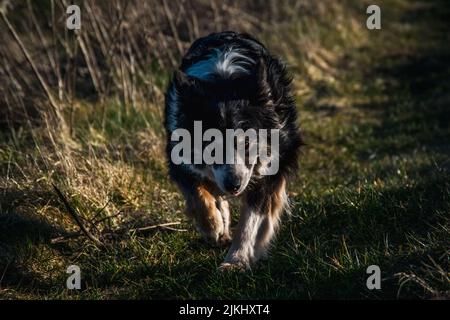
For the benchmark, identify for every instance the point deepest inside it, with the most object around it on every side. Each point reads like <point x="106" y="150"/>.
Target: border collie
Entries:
<point x="227" y="81"/>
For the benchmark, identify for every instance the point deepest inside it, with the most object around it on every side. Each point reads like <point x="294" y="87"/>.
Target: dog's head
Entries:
<point x="241" y="102"/>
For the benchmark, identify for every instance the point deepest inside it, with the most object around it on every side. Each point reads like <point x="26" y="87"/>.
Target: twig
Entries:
<point x="161" y="225"/>
<point x="65" y="237"/>
<point x="77" y="219"/>
<point x="175" y="229"/>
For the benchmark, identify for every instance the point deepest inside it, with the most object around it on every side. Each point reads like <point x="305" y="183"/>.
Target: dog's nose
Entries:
<point x="232" y="186"/>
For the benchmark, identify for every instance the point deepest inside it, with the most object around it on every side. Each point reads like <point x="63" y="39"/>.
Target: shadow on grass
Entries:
<point x="416" y="115"/>
<point x="22" y="233"/>
<point x="394" y="228"/>
<point x="18" y="222"/>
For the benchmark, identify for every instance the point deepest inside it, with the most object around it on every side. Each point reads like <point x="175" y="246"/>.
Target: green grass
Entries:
<point x="373" y="188"/>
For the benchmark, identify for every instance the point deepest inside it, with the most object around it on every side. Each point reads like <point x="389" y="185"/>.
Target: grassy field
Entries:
<point x="373" y="185"/>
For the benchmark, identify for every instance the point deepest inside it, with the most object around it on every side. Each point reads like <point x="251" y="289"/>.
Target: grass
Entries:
<point x="373" y="186"/>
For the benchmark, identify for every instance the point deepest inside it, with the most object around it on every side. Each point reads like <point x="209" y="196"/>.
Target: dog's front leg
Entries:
<point x="201" y="207"/>
<point x="256" y="227"/>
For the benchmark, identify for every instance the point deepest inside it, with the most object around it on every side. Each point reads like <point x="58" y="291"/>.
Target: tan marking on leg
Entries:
<point x="201" y="207"/>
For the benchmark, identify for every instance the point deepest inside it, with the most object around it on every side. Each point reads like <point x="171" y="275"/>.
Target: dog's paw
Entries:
<point x="229" y="267"/>
<point x="212" y="237"/>
<point x="217" y="240"/>
<point x="224" y="240"/>
<point x="237" y="265"/>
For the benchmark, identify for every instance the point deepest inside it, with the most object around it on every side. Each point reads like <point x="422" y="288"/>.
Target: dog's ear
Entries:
<point x="181" y="79"/>
<point x="185" y="81"/>
<point x="187" y="84"/>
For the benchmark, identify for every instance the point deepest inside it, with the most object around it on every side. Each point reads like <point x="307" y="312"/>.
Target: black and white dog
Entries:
<point x="230" y="81"/>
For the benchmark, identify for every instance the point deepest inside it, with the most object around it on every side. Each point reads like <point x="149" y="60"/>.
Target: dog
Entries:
<point x="229" y="80"/>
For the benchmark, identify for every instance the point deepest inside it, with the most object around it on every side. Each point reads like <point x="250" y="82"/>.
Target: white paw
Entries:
<point x="226" y="267"/>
